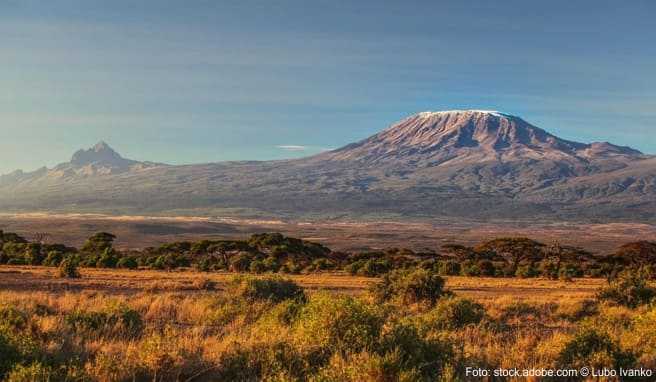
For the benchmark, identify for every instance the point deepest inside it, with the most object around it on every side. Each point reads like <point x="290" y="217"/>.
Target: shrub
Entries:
<point x="274" y="289"/>
<point x="413" y="350"/>
<point x="448" y="268"/>
<point x="322" y="265"/>
<point x="577" y="310"/>
<point x="284" y="313"/>
<point x="629" y="289"/>
<point x="369" y="267"/>
<point x="469" y="268"/>
<point x="116" y="319"/>
<point x="276" y="361"/>
<point x="240" y="262"/>
<point x="291" y="267"/>
<point x="53" y="259"/>
<point x="642" y="336"/>
<point x="9" y="355"/>
<point x="486" y="268"/>
<point x="12" y="317"/>
<point x="35" y="372"/>
<point x="204" y="265"/>
<point x="568" y="271"/>
<point x="271" y="264"/>
<point x="68" y="269"/>
<point x="338" y="324"/>
<point x="108" y="259"/>
<point x="454" y="313"/>
<point x="15" y="348"/>
<point x="375" y="267"/>
<point x="257" y="266"/>
<point x="527" y="271"/>
<point x="409" y="286"/>
<point x="127" y="263"/>
<point x="549" y="269"/>
<point x="591" y="348"/>
<point x="33" y="254"/>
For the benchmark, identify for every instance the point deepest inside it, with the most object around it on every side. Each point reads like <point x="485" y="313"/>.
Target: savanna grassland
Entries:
<point x="274" y="308"/>
<point x="124" y="325"/>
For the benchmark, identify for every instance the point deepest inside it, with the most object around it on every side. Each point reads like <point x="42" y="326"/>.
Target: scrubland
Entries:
<point x="410" y="325"/>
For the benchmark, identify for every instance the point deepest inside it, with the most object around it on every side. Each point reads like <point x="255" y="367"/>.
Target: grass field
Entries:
<point x="183" y="325"/>
<point x="119" y="282"/>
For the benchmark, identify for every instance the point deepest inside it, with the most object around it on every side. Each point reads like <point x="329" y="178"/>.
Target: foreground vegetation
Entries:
<point x="408" y="327"/>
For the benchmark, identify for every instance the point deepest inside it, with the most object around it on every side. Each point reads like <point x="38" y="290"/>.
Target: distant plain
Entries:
<point x="338" y="234"/>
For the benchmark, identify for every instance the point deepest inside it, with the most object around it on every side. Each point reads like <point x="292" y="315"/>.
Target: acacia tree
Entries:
<point x="513" y="250"/>
<point x="637" y="253"/>
<point x="557" y="254"/>
<point x="461" y="252"/>
<point x="99" y="243"/>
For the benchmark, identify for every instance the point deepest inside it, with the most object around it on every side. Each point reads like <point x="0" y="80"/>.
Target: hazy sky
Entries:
<point x="200" y="81"/>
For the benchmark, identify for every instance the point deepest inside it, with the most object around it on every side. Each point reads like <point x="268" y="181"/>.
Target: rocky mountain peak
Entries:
<point x="100" y="154"/>
<point x="434" y="137"/>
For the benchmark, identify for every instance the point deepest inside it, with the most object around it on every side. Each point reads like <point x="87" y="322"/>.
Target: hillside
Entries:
<point x="471" y="163"/>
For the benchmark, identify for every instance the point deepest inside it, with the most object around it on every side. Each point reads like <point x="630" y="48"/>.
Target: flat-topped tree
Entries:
<point x="99" y="243"/>
<point x="637" y="253"/>
<point x="557" y="254"/>
<point x="460" y="252"/>
<point x="513" y="250"/>
<point x="10" y="237"/>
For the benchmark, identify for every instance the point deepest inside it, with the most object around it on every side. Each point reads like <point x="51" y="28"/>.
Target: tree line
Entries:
<point x="276" y="253"/>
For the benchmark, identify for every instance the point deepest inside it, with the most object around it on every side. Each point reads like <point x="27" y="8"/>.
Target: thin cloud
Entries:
<point x="292" y="147"/>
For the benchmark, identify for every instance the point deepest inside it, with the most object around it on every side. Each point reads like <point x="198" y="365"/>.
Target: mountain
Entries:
<point x="463" y="163"/>
<point x="100" y="155"/>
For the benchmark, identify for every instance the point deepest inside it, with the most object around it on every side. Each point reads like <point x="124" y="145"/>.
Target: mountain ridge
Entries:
<point x="471" y="163"/>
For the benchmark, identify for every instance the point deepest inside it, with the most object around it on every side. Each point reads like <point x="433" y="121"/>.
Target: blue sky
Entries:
<point x="203" y="81"/>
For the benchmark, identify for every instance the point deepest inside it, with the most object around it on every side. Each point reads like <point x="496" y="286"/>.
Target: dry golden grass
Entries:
<point x="193" y="327"/>
<point x="117" y="281"/>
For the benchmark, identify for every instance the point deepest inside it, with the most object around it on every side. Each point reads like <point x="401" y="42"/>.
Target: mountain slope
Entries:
<point x="474" y="164"/>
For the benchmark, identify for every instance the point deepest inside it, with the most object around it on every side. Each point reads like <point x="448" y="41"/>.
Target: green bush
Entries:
<point x="469" y="268"/>
<point x="116" y="319"/>
<point x="448" y="268"/>
<point x="240" y="262"/>
<point x="630" y="289"/>
<point x="409" y="286"/>
<point x="35" y="372"/>
<point x="453" y="313"/>
<point x="53" y="259"/>
<point x="68" y="268"/>
<point x="568" y="271"/>
<point x="127" y="263"/>
<point x="12" y="317"/>
<point x="414" y="350"/>
<point x="204" y="265"/>
<point x="369" y="267"/>
<point x="527" y="271"/>
<point x="593" y="349"/>
<point x="274" y="289"/>
<point x="271" y="264"/>
<point x="9" y="355"/>
<point x="257" y="266"/>
<point x="338" y="324"/>
<point x="549" y="269"/>
<point x="15" y="348"/>
<point x="277" y="361"/>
